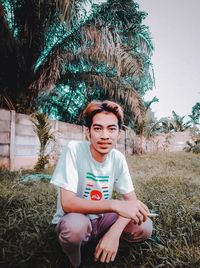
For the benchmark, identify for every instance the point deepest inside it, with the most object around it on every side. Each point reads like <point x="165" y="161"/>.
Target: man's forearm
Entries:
<point x="119" y="225"/>
<point x="129" y="208"/>
<point x="122" y="222"/>
<point x="80" y="205"/>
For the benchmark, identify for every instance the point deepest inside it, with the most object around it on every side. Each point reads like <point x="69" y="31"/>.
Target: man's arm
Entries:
<point x="107" y="247"/>
<point x="141" y="215"/>
<point x="128" y="208"/>
<point x="71" y="203"/>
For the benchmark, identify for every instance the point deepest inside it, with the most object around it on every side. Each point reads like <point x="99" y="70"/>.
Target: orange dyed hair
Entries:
<point x="105" y="106"/>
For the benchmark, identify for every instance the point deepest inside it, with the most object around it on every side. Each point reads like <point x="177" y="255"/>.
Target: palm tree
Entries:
<point x="178" y="123"/>
<point x="148" y="126"/>
<point x="103" y="48"/>
<point x="195" y="116"/>
<point x="171" y="124"/>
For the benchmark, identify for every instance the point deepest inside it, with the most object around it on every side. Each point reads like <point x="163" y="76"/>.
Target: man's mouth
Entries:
<point x="104" y="144"/>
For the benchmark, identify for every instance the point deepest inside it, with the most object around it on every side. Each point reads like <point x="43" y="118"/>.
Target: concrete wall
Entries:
<point x="5" y="128"/>
<point x="170" y="142"/>
<point x="19" y="145"/>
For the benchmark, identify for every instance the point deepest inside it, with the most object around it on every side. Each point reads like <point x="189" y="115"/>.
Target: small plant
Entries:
<point x="193" y="146"/>
<point x="167" y="141"/>
<point x="43" y="130"/>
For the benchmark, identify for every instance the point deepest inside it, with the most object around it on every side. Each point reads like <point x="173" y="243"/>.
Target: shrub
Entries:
<point x="42" y="128"/>
<point x="193" y="146"/>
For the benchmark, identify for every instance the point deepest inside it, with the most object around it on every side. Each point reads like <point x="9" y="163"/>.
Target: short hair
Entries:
<point x="105" y="106"/>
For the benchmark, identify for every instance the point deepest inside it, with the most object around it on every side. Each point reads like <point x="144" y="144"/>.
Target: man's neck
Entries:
<point x="98" y="156"/>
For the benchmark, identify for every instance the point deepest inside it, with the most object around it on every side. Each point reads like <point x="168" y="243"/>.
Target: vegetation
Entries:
<point x="76" y="50"/>
<point x="195" y="116"/>
<point x="168" y="183"/>
<point x="150" y="126"/>
<point x="42" y="128"/>
<point x="147" y="127"/>
<point x="193" y="145"/>
<point x="176" y="123"/>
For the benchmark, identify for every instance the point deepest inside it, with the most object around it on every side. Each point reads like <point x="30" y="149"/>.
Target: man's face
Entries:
<point x="103" y="134"/>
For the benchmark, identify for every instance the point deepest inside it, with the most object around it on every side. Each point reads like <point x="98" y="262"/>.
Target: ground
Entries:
<point x="169" y="183"/>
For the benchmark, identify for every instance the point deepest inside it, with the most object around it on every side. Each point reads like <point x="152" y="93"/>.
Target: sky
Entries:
<point x="175" y="30"/>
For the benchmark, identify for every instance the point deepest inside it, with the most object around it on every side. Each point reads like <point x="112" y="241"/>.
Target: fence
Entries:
<point x="167" y="142"/>
<point x="19" y="145"/>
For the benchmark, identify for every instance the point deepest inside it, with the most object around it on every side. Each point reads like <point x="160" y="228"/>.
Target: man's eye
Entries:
<point x="97" y="128"/>
<point x="112" y="129"/>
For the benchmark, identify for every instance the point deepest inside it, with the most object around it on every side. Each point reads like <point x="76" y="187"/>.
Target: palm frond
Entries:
<point x="48" y="73"/>
<point x="149" y="103"/>
<point x="106" y="46"/>
<point x="145" y="42"/>
<point x="69" y="9"/>
<point x="102" y="49"/>
<point x="7" y="43"/>
<point x="119" y="92"/>
<point x="69" y="12"/>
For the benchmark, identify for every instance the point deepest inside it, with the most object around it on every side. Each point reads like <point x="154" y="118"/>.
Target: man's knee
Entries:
<point x="74" y="228"/>
<point x="136" y="233"/>
<point x="147" y="229"/>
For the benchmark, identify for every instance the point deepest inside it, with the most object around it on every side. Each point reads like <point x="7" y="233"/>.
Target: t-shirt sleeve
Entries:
<point x="65" y="174"/>
<point x="123" y="182"/>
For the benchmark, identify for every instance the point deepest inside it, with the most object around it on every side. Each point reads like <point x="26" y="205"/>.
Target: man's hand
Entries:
<point x="132" y="209"/>
<point x="107" y="247"/>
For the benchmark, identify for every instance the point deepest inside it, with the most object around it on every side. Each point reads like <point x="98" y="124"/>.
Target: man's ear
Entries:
<point x="87" y="133"/>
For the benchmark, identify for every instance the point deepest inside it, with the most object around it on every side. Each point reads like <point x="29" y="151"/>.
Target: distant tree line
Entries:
<point x="176" y="123"/>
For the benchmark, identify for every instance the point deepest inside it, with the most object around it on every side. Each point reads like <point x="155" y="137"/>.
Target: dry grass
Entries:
<point x="168" y="183"/>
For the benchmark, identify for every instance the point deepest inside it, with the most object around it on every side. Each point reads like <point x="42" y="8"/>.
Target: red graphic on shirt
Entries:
<point x="95" y="195"/>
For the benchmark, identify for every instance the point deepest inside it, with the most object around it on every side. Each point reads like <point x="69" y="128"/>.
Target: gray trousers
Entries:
<point x="75" y="229"/>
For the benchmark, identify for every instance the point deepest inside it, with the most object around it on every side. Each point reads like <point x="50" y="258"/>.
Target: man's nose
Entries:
<point x="104" y="134"/>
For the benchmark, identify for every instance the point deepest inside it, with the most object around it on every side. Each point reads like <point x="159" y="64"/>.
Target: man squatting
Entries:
<point x="86" y="174"/>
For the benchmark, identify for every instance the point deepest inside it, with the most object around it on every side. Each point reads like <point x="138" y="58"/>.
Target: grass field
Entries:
<point x="168" y="183"/>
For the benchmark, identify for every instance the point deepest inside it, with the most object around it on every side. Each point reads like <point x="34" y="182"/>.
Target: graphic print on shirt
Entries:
<point x="96" y="187"/>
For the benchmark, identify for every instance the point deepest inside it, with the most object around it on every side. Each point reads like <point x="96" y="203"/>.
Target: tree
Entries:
<point x="195" y="116"/>
<point x="148" y="126"/>
<point x="103" y="49"/>
<point x="171" y="124"/>
<point x="178" y="122"/>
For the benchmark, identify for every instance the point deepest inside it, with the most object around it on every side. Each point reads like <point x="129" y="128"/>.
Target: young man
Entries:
<point x="86" y="174"/>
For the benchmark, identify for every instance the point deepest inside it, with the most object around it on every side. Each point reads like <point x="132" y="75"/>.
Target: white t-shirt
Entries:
<point x="77" y="171"/>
